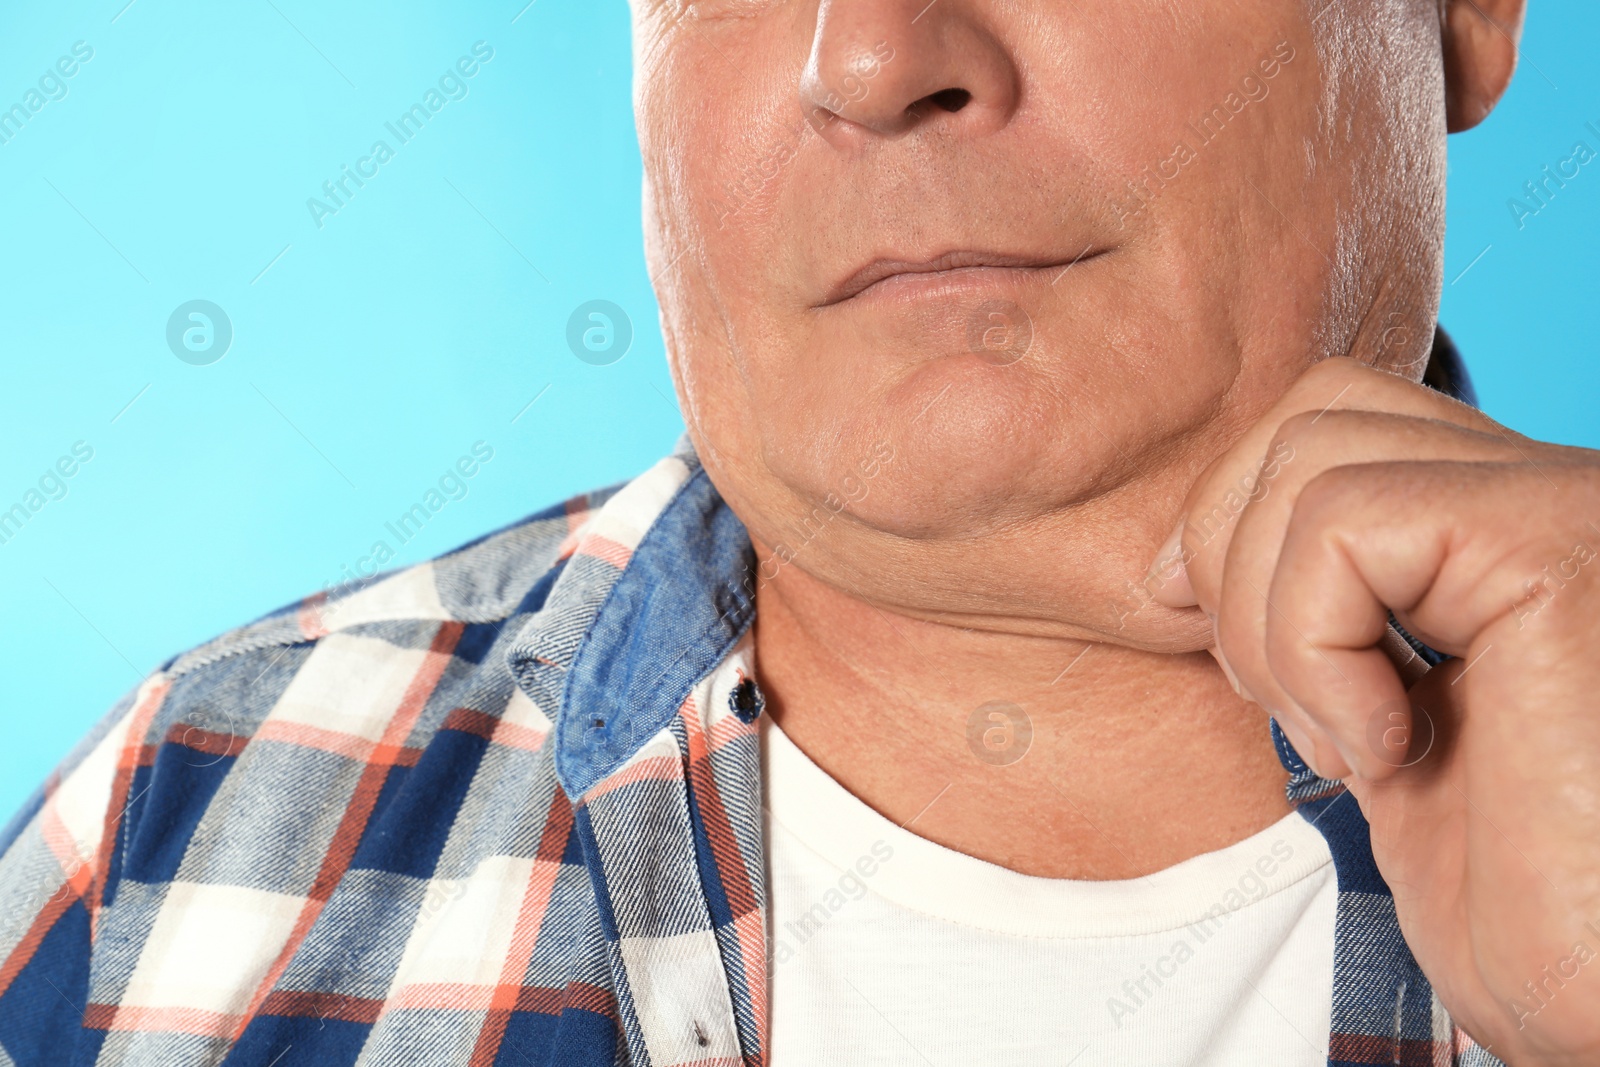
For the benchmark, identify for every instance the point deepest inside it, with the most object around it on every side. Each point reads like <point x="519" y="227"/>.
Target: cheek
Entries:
<point x="717" y="144"/>
<point x="716" y="167"/>
<point x="745" y="207"/>
<point x="1134" y="361"/>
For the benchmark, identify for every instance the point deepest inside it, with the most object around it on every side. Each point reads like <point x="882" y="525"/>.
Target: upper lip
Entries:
<point x="881" y="269"/>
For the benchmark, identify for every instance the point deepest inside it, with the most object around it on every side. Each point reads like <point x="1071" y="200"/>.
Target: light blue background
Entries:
<point x="425" y="316"/>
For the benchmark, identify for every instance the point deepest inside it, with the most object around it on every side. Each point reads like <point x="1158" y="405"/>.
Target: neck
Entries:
<point x="1051" y="756"/>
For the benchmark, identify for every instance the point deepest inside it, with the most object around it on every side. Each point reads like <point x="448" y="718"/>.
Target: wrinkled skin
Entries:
<point x="1128" y="256"/>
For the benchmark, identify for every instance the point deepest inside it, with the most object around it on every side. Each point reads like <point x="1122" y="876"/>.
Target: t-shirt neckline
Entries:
<point x="820" y="814"/>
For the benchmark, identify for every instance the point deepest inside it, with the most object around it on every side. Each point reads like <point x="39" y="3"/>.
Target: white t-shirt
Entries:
<point x="888" y="949"/>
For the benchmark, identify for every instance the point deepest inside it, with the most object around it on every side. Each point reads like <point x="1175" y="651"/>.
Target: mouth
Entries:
<point x="883" y="272"/>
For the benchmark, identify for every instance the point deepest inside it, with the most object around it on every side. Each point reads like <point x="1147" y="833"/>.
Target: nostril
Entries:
<point x="950" y="99"/>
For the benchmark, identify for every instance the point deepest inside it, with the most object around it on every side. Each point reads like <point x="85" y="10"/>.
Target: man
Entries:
<point x="1055" y="463"/>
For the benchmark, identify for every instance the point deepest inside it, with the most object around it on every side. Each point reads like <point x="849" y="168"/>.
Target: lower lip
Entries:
<point x="955" y="283"/>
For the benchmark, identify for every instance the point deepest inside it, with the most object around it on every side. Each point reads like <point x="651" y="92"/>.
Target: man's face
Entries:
<point x="1047" y="258"/>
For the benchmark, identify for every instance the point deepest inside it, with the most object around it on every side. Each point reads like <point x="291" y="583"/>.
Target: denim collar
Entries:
<point x="614" y="650"/>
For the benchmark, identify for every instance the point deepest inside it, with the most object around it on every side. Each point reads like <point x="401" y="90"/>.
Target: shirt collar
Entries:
<point x="655" y="593"/>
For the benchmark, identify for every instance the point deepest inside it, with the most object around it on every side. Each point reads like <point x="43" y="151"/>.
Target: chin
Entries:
<point x="958" y="449"/>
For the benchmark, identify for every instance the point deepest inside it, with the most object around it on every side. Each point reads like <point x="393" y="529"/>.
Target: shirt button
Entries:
<point x="746" y="700"/>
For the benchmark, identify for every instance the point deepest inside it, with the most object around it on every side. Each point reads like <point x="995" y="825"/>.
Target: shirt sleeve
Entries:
<point x="54" y="855"/>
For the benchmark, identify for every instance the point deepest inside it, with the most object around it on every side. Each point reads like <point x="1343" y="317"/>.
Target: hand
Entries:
<point x="1361" y="494"/>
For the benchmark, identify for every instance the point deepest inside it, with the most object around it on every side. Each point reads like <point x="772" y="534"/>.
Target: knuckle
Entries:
<point x="1299" y="429"/>
<point x="1330" y="494"/>
<point x="1335" y="371"/>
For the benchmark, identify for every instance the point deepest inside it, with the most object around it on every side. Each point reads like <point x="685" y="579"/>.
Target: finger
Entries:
<point x="1316" y="443"/>
<point x="1310" y="740"/>
<point x="1252" y="465"/>
<point x="1446" y="545"/>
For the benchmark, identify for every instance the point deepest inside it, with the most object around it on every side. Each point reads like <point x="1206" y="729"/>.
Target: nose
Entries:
<point x="885" y="67"/>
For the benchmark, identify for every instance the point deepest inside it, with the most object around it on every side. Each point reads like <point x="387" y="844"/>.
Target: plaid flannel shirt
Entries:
<point x="500" y="808"/>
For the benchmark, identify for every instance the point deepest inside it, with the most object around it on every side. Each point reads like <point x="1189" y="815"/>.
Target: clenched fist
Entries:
<point x="1361" y="494"/>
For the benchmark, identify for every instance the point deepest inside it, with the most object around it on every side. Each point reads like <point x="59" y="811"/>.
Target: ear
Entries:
<point x="1480" y="53"/>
